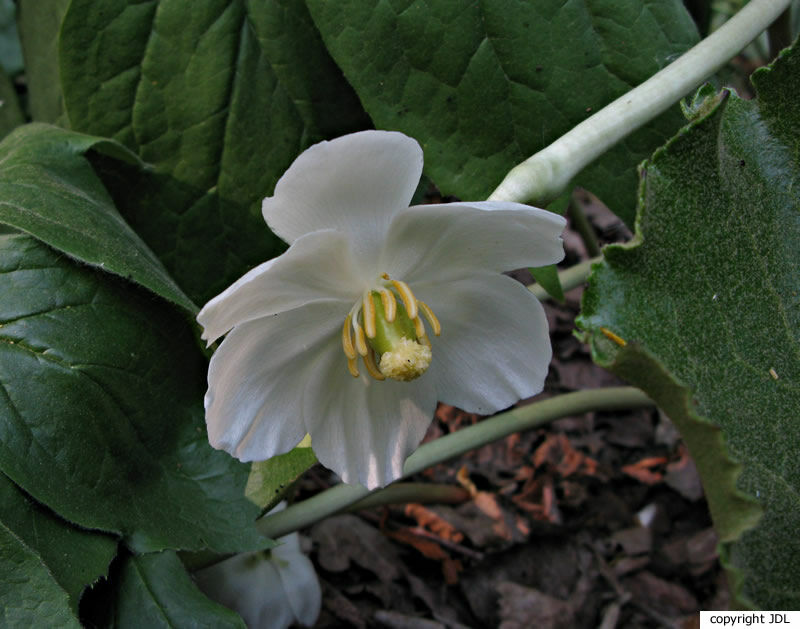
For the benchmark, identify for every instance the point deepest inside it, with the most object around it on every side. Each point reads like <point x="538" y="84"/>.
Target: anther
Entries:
<point x="437" y="327"/>
<point x="389" y="334"/>
<point x="372" y="367"/>
<point x="389" y="304"/>
<point x="347" y="341"/>
<point x="352" y="367"/>
<point x="368" y="314"/>
<point x="617" y="339"/>
<point x="419" y="327"/>
<point x="361" y="341"/>
<point x="409" y="301"/>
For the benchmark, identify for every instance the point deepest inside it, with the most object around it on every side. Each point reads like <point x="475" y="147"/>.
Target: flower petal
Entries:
<point x="363" y="429"/>
<point x="274" y="589"/>
<point x="250" y="585"/>
<point x="352" y="184"/>
<point x="299" y="580"/>
<point x="317" y="266"/>
<point x="454" y="240"/>
<point x="494" y="349"/>
<point x="256" y="379"/>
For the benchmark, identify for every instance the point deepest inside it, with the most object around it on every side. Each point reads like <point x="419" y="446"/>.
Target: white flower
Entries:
<point x="268" y="589"/>
<point x="361" y="258"/>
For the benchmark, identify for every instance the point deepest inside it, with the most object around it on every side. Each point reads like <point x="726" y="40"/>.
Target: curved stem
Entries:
<point x="340" y="497"/>
<point x="401" y="493"/>
<point x="543" y="176"/>
<point x="569" y="278"/>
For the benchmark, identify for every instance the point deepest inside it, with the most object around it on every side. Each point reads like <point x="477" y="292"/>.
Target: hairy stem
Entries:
<point x="543" y="176"/>
<point x="340" y="497"/>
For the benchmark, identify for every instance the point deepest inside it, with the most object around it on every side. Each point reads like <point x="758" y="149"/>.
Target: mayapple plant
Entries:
<point x="263" y="159"/>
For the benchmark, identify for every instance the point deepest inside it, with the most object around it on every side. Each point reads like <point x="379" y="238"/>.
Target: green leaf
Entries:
<point x="269" y="480"/>
<point x="709" y="294"/>
<point x="75" y="558"/>
<point x="48" y="189"/>
<point x="324" y="100"/>
<point x="484" y="85"/>
<point x="547" y="276"/>
<point x="100" y="408"/>
<point x="220" y="98"/>
<point x="154" y="591"/>
<point x="29" y="596"/>
<point x="39" y="22"/>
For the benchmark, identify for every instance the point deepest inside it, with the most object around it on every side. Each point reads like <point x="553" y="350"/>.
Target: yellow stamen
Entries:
<point x="368" y="314"/>
<point x="437" y="328"/>
<point x="382" y="333"/>
<point x="372" y="368"/>
<point x="419" y="327"/>
<point x="617" y="339"/>
<point x="347" y="340"/>
<point x="409" y="301"/>
<point x="389" y="304"/>
<point x="352" y="366"/>
<point x="361" y="341"/>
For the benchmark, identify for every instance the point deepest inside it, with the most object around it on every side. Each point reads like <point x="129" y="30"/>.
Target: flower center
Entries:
<point x="388" y="333"/>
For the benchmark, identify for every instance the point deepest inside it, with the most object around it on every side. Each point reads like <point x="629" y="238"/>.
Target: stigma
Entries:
<point x="386" y="330"/>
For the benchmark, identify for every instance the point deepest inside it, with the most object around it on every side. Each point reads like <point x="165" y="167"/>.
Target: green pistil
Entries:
<point x="388" y="335"/>
<point x="402" y="356"/>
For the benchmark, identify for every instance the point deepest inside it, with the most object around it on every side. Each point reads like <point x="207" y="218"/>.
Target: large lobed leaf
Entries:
<point x="211" y="95"/>
<point x="29" y="595"/>
<point x="39" y="23"/>
<point x="49" y="190"/>
<point x="709" y="297"/>
<point x="154" y="591"/>
<point x="484" y="85"/>
<point x="74" y="557"/>
<point x="100" y="408"/>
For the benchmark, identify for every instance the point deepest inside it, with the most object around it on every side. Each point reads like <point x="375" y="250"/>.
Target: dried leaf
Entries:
<point x="643" y="470"/>
<point x="523" y="607"/>
<point x="343" y="539"/>
<point x="429" y="520"/>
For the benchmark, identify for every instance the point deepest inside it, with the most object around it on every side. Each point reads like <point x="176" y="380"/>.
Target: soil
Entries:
<point x="596" y="520"/>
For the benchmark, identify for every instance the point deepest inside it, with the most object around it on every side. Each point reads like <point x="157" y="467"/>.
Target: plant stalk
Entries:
<point x="339" y="497"/>
<point x="569" y="278"/>
<point x="542" y="177"/>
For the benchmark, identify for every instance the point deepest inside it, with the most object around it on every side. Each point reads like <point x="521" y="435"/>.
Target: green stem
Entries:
<point x="340" y="497"/>
<point x="569" y="278"/>
<point x="401" y="493"/>
<point x="543" y="176"/>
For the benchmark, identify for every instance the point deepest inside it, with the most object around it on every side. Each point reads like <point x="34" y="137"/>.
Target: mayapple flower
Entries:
<point x="268" y="589"/>
<point x="330" y="338"/>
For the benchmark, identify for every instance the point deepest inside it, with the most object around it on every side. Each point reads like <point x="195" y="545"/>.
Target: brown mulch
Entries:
<point x="593" y="521"/>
